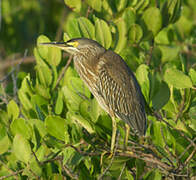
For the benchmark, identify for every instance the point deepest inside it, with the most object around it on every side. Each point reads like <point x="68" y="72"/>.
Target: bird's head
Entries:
<point x="78" y="45"/>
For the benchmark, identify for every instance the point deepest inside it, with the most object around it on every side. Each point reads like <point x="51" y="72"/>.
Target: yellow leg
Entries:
<point x="127" y="131"/>
<point x="114" y="129"/>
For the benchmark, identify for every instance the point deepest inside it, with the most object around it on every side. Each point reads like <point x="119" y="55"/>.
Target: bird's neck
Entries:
<point x="89" y="55"/>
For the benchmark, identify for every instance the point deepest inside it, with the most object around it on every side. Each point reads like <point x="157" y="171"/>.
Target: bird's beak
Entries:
<point x="69" y="47"/>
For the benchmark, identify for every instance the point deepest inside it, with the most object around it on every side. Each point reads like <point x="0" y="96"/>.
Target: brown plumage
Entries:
<point x="110" y="80"/>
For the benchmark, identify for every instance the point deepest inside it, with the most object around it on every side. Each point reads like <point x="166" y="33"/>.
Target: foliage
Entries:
<point x="54" y="129"/>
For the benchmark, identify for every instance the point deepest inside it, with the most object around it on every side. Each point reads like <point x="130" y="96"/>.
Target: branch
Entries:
<point x="12" y="174"/>
<point x="8" y="63"/>
<point x="181" y="107"/>
<point x="68" y="171"/>
<point x="14" y="68"/>
<point x="113" y="155"/>
<point x="63" y="71"/>
<point x="150" y="55"/>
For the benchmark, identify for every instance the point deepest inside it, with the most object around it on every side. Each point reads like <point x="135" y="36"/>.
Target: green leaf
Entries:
<point x="169" y="53"/>
<point x="39" y="112"/>
<point x="21" y="126"/>
<point x="54" y="56"/>
<point x="73" y="28"/>
<point x="43" y="91"/>
<point x="120" y="4"/>
<point x="107" y="7"/>
<point x="72" y="100"/>
<point x="39" y="125"/>
<point x="81" y="121"/>
<point x="75" y="5"/>
<point x="24" y="99"/>
<point x="171" y="11"/>
<point x="95" y="4"/>
<point x="157" y="135"/>
<point x="59" y="103"/>
<point x="35" y="167"/>
<point x="69" y="73"/>
<point x="75" y="92"/>
<point x="4" y="144"/>
<point x="153" y="20"/>
<point x="3" y="130"/>
<point x="140" y="168"/>
<point x="142" y="77"/>
<point x="78" y="87"/>
<point x="21" y="148"/>
<point x="177" y="78"/>
<point x="4" y="117"/>
<point x="96" y="110"/>
<point x="44" y="75"/>
<point x="102" y="33"/>
<point x="153" y="175"/>
<point x="184" y="26"/>
<point x="42" y="50"/>
<point x="86" y="28"/>
<point x="141" y="5"/>
<point x="13" y="110"/>
<point x="41" y="103"/>
<point x="56" y="126"/>
<point x="192" y="112"/>
<point x="129" y="17"/>
<point x="161" y="97"/>
<point x="103" y="126"/>
<point x="39" y="60"/>
<point x="25" y="92"/>
<point x="66" y="37"/>
<point x="85" y="109"/>
<point x="135" y="33"/>
<point x="121" y="36"/>
<point x="192" y="74"/>
<point x="163" y="37"/>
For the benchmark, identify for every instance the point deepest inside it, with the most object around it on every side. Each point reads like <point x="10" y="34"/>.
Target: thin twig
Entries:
<point x="167" y="149"/>
<point x="186" y="150"/>
<point x="150" y="55"/>
<point x="147" y="158"/>
<point x="181" y="107"/>
<point x="51" y="160"/>
<point x="114" y="153"/>
<point x="181" y="132"/>
<point x="4" y="99"/>
<point x="63" y="71"/>
<point x="82" y="152"/>
<point x="8" y="63"/>
<point x="68" y="171"/>
<point x="89" y="10"/>
<point x="38" y="162"/>
<point x="15" y="89"/>
<point x="14" y="68"/>
<point x="122" y="170"/>
<point x="190" y="156"/>
<point x="12" y="174"/>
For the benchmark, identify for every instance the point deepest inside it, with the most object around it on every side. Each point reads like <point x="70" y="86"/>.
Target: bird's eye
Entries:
<point x="74" y="44"/>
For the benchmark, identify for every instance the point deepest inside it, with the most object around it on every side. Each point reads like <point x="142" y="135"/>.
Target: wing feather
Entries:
<point x="121" y="92"/>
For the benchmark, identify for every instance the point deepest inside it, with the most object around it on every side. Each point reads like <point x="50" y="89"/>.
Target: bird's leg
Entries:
<point x="127" y="131"/>
<point x="114" y="129"/>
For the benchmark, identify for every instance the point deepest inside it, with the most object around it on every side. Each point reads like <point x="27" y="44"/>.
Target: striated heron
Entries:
<point x="111" y="82"/>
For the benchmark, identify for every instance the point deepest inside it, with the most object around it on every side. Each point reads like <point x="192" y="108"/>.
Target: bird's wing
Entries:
<point x="121" y="91"/>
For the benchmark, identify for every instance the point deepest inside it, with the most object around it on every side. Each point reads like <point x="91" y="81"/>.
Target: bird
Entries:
<point x="111" y="82"/>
